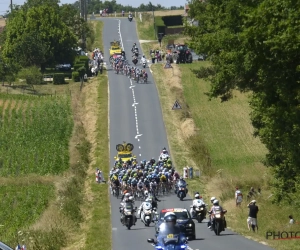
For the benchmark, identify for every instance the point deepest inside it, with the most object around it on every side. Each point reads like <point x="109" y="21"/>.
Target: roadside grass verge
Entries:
<point x="145" y="28"/>
<point x="216" y="138"/>
<point x="98" y="231"/>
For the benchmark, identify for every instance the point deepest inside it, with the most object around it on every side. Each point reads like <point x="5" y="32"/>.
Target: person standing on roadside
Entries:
<point x="153" y="56"/>
<point x="238" y="197"/>
<point x="252" y="217"/>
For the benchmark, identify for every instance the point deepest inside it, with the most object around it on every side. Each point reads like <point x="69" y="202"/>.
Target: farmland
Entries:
<point x="166" y="12"/>
<point x="20" y="206"/>
<point x="34" y="134"/>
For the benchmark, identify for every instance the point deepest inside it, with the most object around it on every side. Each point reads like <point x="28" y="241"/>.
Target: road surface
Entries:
<point x="135" y="117"/>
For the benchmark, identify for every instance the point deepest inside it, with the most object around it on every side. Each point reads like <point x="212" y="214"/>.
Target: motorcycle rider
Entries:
<point x="133" y="47"/>
<point x="216" y="207"/>
<point x="151" y="198"/>
<point x="198" y="201"/>
<point x="209" y="221"/>
<point x="180" y="182"/>
<point x="164" y="154"/>
<point x="134" y="60"/>
<point x="129" y="200"/>
<point x="168" y="227"/>
<point x="143" y="59"/>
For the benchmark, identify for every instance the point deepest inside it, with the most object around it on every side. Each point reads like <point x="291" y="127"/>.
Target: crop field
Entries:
<point x="34" y="134"/>
<point x="19" y="207"/>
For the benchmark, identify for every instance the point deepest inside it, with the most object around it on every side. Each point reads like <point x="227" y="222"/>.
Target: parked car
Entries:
<point x="63" y="67"/>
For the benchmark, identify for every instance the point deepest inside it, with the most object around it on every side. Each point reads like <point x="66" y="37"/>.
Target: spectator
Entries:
<point x="153" y="57"/>
<point x="292" y="221"/>
<point x="252" y="217"/>
<point x="238" y="197"/>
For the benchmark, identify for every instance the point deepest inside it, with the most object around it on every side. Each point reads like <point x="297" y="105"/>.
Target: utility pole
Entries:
<point x="11" y="6"/>
<point x="154" y="22"/>
<point x="85" y="10"/>
<point x="81" y="9"/>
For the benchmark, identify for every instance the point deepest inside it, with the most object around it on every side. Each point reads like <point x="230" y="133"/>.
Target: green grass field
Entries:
<point x="20" y="206"/>
<point x="34" y="134"/>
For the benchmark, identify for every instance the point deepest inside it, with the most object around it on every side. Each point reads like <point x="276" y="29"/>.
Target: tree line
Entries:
<point x="254" y="47"/>
<point x="112" y="6"/>
<point x="41" y="33"/>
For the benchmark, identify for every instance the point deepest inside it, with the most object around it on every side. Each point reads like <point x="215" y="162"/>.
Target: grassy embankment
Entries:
<point x="49" y="198"/>
<point x="216" y="138"/>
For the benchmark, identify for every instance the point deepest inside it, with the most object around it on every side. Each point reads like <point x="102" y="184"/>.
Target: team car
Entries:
<point x="184" y="220"/>
<point x="125" y="152"/>
<point x="115" y="47"/>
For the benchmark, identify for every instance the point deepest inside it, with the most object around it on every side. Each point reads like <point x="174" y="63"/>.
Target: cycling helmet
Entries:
<point x="181" y="178"/>
<point x="197" y="196"/>
<point x="216" y="202"/>
<point x="146" y="193"/>
<point x="212" y="199"/>
<point x="127" y="195"/>
<point x="170" y="217"/>
<point x="131" y="198"/>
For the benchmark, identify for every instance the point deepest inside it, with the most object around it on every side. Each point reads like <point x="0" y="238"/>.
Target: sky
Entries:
<point x="4" y="4"/>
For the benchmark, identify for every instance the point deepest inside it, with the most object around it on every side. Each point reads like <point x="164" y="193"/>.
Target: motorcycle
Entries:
<point x="135" y="61"/>
<point x="130" y="18"/>
<point x="170" y="242"/>
<point x="181" y="190"/>
<point x="218" y="221"/>
<point x="200" y="212"/>
<point x="127" y="217"/>
<point x="146" y="214"/>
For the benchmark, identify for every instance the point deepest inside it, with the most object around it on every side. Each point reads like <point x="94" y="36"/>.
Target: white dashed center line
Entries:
<point x="134" y="105"/>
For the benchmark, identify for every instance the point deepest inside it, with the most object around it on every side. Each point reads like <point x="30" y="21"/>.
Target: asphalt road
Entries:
<point x="136" y="117"/>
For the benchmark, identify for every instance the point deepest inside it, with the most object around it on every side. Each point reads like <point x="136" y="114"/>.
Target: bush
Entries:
<point x="31" y="75"/>
<point x="75" y="76"/>
<point x="81" y="71"/>
<point x="82" y="60"/>
<point x="59" y="78"/>
<point x="78" y="66"/>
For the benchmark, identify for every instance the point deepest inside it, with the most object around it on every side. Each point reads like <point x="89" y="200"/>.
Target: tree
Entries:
<point x="254" y="47"/>
<point x="77" y="25"/>
<point x="44" y="22"/>
<point x="35" y="3"/>
<point x="31" y="50"/>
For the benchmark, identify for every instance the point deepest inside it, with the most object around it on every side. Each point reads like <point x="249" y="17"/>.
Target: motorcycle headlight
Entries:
<point x="189" y="225"/>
